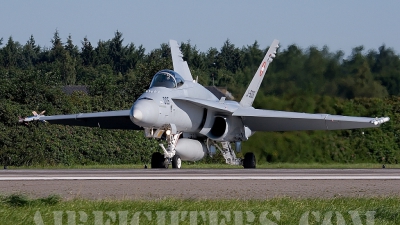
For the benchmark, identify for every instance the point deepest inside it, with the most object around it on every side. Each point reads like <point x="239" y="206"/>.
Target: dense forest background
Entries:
<point x="366" y="83"/>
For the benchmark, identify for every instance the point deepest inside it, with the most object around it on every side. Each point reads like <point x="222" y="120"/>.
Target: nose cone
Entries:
<point x="144" y="113"/>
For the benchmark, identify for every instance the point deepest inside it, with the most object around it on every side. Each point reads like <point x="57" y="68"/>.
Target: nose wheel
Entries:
<point x="158" y="161"/>
<point x="176" y="162"/>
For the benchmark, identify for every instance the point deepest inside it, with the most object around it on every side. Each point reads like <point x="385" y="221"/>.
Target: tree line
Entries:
<point x="366" y="83"/>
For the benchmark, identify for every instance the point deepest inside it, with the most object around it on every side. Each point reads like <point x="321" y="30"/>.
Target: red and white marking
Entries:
<point x="262" y="68"/>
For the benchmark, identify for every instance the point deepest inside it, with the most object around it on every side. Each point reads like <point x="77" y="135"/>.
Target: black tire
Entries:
<point x="157" y="160"/>
<point x="176" y="162"/>
<point x="249" y="161"/>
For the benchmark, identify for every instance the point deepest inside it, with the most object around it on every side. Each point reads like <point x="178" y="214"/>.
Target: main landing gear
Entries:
<point x="249" y="161"/>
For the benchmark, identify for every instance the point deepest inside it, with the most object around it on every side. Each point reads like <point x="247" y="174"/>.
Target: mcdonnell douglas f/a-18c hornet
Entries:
<point x="196" y="123"/>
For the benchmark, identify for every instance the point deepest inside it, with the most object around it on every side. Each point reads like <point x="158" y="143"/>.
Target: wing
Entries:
<point x="180" y="66"/>
<point x="270" y="120"/>
<point x="106" y="120"/>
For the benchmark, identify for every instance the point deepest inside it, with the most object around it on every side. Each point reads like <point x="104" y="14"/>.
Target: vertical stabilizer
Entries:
<point x="180" y="66"/>
<point x="251" y="92"/>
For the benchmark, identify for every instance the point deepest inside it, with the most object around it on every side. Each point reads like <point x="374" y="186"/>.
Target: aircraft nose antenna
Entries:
<point x="144" y="113"/>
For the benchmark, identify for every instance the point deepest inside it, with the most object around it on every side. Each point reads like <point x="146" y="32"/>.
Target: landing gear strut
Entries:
<point x="249" y="160"/>
<point x="227" y="152"/>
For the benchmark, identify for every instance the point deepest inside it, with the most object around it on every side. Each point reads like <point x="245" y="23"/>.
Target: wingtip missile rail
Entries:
<point x="378" y="121"/>
<point x="28" y="119"/>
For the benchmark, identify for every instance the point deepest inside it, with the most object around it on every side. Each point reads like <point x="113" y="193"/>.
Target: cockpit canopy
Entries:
<point x="167" y="78"/>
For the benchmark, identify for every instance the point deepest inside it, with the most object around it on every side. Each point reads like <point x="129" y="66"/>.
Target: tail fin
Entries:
<point x="251" y="92"/>
<point x="180" y="66"/>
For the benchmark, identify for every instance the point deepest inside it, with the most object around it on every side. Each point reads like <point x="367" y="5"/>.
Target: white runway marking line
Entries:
<point x="351" y="177"/>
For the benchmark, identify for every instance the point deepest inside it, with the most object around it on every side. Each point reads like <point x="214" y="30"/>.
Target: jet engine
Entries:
<point x="219" y="128"/>
<point x="224" y="128"/>
<point x="190" y="149"/>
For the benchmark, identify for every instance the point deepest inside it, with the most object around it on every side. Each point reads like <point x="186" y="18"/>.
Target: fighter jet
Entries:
<point x="195" y="122"/>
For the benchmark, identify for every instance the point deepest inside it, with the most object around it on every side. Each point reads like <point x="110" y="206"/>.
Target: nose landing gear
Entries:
<point x="169" y="156"/>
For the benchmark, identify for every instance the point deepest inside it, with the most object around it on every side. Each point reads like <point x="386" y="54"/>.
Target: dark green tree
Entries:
<point x="116" y="52"/>
<point x="229" y="58"/>
<point x="289" y="76"/>
<point x="87" y="53"/>
<point x="132" y="57"/>
<point x="386" y="69"/>
<point x="71" y="48"/>
<point x="31" y="53"/>
<point x="57" y="49"/>
<point x="102" y="56"/>
<point x="192" y="55"/>
<point x="252" y="55"/>
<point x="360" y="81"/>
<point x="11" y="53"/>
<point x="63" y="63"/>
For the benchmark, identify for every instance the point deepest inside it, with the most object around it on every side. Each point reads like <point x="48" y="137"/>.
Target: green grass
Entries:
<point x="18" y="209"/>
<point x="187" y="165"/>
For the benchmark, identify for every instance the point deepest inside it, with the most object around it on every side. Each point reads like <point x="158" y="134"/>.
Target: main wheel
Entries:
<point x="157" y="160"/>
<point x="249" y="161"/>
<point x="176" y="162"/>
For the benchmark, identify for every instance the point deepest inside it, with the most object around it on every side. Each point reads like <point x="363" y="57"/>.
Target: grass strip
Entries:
<point x="18" y="209"/>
